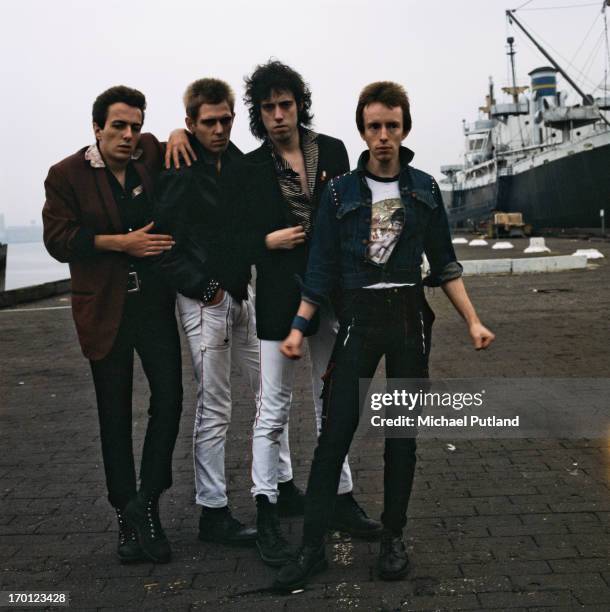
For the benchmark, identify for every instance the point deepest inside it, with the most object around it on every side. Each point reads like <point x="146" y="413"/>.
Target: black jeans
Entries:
<point x="148" y="326"/>
<point x="392" y="322"/>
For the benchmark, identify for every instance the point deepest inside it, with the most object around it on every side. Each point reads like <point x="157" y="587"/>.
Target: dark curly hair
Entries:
<point x="275" y="76"/>
<point x="119" y="93"/>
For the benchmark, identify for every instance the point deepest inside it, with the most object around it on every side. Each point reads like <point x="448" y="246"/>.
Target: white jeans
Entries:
<point x="271" y="423"/>
<point x="219" y="336"/>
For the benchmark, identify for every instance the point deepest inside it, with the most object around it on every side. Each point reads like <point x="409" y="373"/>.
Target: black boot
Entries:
<point x="219" y="525"/>
<point x="272" y="546"/>
<point x="393" y="562"/>
<point x="128" y="549"/>
<point x="294" y="575"/>
<point x="142" y="512"/>
<point x="291" y="500"/>
<point x="351" y="518"/>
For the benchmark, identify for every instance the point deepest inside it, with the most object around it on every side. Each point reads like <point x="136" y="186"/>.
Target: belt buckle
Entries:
<point x="133" y="282"/>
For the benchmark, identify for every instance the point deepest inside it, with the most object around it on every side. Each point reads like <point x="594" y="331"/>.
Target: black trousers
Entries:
<point x="149" y="327"/>
<point x="392" y="322"/>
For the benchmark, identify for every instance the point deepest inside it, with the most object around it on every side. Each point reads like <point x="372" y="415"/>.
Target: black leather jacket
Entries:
<point x="189" y="206"/>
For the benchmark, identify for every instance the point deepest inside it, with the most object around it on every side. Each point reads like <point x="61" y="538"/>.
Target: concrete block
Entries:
<point x="589" y="253"/>
<point x="549" y="264"/>
<point x="537" y="245"/>
<point x="486" y="266"/>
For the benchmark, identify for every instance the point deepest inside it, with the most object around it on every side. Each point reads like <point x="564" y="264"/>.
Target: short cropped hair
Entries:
<point x="207" y="91"/>
<point x="388" y="93"/>
<point x="275" y="76"/>
<point x="119" y="93"/>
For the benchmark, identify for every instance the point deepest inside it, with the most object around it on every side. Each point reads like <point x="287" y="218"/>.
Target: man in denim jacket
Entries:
<point x="373" y="226"/>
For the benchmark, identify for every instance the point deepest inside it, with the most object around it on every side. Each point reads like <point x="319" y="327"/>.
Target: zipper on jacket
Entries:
<point x="349" y="328"/>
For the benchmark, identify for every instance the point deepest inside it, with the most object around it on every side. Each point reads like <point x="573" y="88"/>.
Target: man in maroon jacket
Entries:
<point x="96" y="218"/>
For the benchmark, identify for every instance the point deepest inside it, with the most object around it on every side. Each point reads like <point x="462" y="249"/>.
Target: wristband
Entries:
<point x="300" y="323"/>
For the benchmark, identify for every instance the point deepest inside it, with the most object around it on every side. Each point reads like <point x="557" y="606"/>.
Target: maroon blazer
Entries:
<point x="79" y="195"/>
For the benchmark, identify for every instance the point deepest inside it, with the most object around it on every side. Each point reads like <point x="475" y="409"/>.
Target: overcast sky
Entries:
<point x="57" y="55"/>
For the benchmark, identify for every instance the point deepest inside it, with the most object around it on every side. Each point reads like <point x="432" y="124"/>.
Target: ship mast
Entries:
<point x="587" y="100"/>
<point x="511" y="53"/>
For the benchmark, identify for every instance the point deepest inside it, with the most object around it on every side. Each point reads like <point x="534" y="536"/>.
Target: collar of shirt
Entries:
<point x="405" y="156"/>
<point x="94" y="156"/>
<point x="308" y="138"/>
<point x="228" y="155"/>
<point x="133" y="187"/>
<point x="309" y="146"/>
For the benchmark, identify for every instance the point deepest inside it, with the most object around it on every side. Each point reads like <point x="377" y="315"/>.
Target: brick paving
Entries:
<point x="493" y="525"/>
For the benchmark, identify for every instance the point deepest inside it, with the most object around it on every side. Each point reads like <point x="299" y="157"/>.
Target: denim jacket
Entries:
<point x="342" y="230"/>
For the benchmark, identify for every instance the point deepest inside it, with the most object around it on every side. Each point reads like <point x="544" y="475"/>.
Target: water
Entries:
<point x="28" y="263"/>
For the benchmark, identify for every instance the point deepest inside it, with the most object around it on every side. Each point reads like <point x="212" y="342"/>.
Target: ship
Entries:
<point x="534" y="154"/>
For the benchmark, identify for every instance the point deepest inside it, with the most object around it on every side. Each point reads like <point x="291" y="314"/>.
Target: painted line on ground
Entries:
<point x="34" y="309"/>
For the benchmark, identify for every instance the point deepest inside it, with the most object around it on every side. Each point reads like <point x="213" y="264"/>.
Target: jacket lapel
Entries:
<point x="268" y="185"/>
<point x="322" y="172"/>
<point x="146" y="180"/>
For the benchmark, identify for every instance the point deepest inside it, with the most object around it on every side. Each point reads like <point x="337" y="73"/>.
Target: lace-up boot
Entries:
<point x="272" y="546"/>
<point x="128" y="548"/>
<point x="393" y="562"/>
<point x="142" y="512"/>
<point x="219" y="525"/>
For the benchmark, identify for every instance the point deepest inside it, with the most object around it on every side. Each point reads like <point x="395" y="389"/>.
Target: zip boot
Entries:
<point x="272" y="546"/>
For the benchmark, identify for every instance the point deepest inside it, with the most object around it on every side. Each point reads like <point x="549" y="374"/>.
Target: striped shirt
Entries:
<point x="300" y="204"/>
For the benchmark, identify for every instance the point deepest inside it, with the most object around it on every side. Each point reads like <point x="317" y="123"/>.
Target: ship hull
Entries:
<point x="3" y="248"/>
<point x="565" y="193"/>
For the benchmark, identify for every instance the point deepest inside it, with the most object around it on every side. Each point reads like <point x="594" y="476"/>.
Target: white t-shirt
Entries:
<point x="387" y="222"/>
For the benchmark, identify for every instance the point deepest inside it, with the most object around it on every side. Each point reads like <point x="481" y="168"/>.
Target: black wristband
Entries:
<point x="300" y="323"/>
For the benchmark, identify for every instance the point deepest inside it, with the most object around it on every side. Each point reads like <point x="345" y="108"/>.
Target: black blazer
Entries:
<point x="253" y="192"/>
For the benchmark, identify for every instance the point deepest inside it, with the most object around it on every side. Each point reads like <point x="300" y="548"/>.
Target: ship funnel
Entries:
<point x="544" y="82"/>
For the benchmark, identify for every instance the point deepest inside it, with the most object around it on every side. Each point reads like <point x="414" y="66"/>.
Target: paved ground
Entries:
<point x="493" y="525"/>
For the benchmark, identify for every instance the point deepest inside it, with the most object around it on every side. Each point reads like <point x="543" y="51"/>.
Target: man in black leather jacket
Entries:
<point x="216" y="314"/>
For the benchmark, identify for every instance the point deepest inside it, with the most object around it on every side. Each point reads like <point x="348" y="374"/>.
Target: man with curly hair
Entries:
<point x="275" y="190"/>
